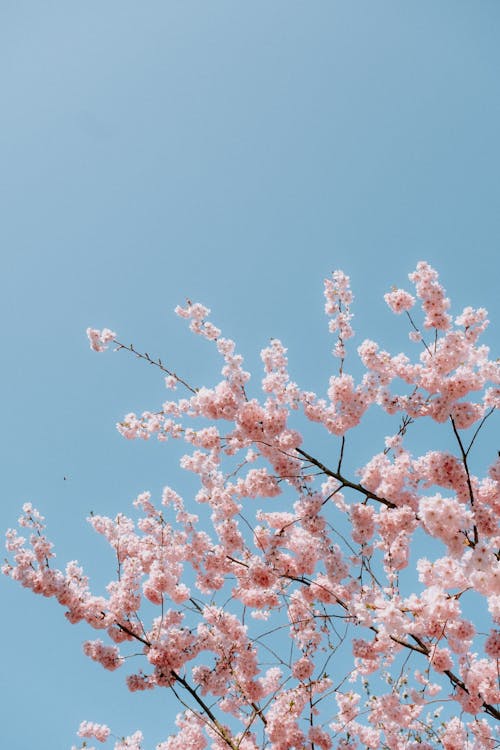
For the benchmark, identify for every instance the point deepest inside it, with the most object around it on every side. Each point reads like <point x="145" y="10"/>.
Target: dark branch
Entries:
<point x="337" y="475"/>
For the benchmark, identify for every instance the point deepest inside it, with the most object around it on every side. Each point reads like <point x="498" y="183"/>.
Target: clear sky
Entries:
<point x="233" y="153"/>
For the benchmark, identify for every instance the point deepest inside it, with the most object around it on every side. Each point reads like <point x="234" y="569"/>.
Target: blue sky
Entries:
<point x="233" y="153"/>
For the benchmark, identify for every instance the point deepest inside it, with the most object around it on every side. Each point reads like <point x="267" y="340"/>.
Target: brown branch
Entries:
<point x="469" y="483"/>
<point x="346" y="483"/>
<point x="418" y="331"/>
<point x="341" y="456"/>
<point x="488" y="414"/>
<point x="127" y="630"/>
<point x="218" y="726"/>
<point x="221" y="731"/>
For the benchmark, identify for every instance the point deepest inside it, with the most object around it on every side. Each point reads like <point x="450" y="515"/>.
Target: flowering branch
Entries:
<point x="313" y="559"/>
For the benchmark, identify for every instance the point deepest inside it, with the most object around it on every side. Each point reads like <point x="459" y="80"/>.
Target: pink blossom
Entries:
<point x="89" y="729"/>
<point x="429" y="290"/>
<point x="441" y="659"/>
<point x="108" y="656"/>
<point x="99" y="339"/>
<point x="362" y="517"/>
<point x="132" y="742"/>
<point x="492" y="645"/>
<point x="399" y="300"/>
<point x="454" y="735"/>
<point x="190" y="734"/>
<point x="303" y="669"/>
<point x="294" y="548"/>
<point x="338" y="297"/>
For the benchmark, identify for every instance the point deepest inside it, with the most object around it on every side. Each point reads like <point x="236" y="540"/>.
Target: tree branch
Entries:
<point x="337" y="475"/>
<point x="156" y="362"/>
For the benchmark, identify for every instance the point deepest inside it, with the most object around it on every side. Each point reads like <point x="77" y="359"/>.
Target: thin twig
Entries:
<point x="339" y="465"/>
<point x="156" y="363"/>
<point x="466" y="467"/>
<point x="488" y="414"/>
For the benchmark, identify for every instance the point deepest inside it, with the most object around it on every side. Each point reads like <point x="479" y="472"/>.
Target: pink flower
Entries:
<point x="338" y="297"/>
<point x="99" y="339"/>
<point x="133" y="742"/>
<point x="441" y="659"/>
<point x="399" y="300"/>
<point x="296" y="547"/>
<point x="492" y="645"/>
<point x="108" y="656"/>
<point x="429" y="290"/>
<point x="89" y="729"/>
<point x="303" y="669"/>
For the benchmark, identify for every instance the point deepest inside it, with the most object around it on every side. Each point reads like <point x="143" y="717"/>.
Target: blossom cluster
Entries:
<point x="301" y="562"/>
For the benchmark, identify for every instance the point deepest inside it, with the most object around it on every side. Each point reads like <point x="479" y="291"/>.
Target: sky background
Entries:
<point x="233" y="153"/>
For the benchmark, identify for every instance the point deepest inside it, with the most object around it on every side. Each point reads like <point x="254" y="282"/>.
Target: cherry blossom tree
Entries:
<point x="314" y="607"/>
